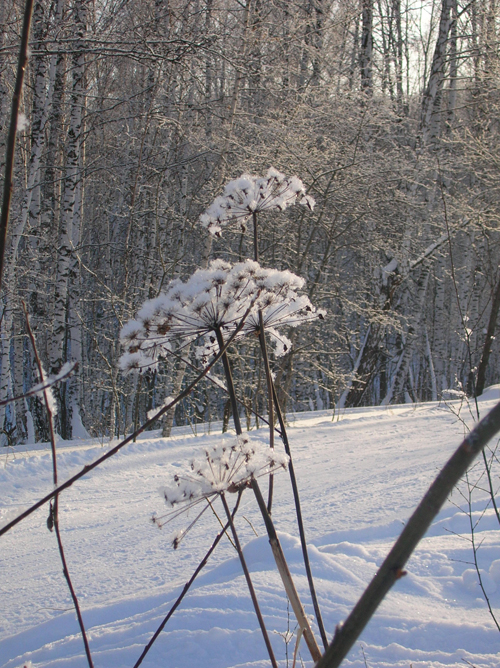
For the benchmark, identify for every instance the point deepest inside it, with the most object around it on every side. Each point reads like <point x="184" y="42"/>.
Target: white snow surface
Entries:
<point x="360" y="476"/>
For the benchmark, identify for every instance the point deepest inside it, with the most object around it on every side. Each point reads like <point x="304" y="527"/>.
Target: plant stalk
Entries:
<point x="269" y="381"/>
<point x="286" y="576"/>
<point x="300" y="522"/>
<point x="54" y="509"/>
<point x="267" y="369"/>
<point x="277" y="550"/>
<point x="249" y="582"/>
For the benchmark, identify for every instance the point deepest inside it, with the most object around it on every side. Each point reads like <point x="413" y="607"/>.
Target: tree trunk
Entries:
<point x="70" y="222"/>
<point x="431" y="102"/>
<point x="366" y="50"/>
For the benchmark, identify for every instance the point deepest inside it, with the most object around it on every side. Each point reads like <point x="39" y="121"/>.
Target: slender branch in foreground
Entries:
<point x="41" y="387"/>
<point x="90" y="467"/>
<point x="249" y="582"/>
<point x="53" y="520"/>
<point x="300" y="522"/>
<point x="188" y="584"/>
<point x="11" y="140"/>
<point x="392" y="568"/>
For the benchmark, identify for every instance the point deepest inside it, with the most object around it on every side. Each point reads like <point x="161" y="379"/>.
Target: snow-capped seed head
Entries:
<point x="309" y="202"/>
<point x="251" y="194"/>
<point x="223" y="467"/>
<point x="215" y="299"/>
<point x="176" y="538"/>
<point x="228" y="467"/>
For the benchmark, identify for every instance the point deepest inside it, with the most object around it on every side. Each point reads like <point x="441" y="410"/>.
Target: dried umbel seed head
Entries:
<point x="228" y="467"/>
<point x="211" y="300"/>
<point x="252" y="194"/>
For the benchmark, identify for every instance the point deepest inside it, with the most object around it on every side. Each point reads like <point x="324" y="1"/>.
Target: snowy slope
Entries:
<point x="360" y="477"/>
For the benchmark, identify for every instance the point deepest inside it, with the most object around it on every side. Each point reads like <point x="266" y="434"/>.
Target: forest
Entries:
<point x="137" y="113"/>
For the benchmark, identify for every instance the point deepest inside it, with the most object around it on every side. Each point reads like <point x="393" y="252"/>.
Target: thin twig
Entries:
<point x="188" y="584"/>
<point x="475" y="549"/>
<point x="54" y="508"/>
<point x="487" y="466"/>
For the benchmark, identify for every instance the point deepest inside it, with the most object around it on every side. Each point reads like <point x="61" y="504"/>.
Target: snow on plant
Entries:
<point x="211" y="300"/>
<point x="251" y="194"/>
<point x="227" y="467"/>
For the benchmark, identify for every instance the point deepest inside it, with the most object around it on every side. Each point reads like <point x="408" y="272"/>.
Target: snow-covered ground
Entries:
<point x="360" y="475"/>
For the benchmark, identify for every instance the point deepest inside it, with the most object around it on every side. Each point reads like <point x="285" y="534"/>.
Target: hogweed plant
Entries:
<point x="249" y="195"/>
<point x="242" y="199"/>
<point x="208" y="309"/>
<point x="213" y="300"/>
<point x="228" y="467"/>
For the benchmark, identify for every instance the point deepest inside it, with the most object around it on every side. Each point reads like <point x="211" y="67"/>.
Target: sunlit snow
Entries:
<point x="360" y="475"/>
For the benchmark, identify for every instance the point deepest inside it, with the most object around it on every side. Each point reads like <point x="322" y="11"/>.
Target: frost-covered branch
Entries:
<point x="47" y="384"/>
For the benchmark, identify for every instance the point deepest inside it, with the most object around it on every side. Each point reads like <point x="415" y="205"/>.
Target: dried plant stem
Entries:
<point x="274" y="404"/>
<point x="300" y="522"/>
<point x="54" y="508"/>
<point x="220" y="386"/>
<point x="392" y="568"/>
<point x="249" y="582"/>
<point x="286" y="576"/>
<point x="122" y="444"/>
<point x="265" y="358"/>
<point x="277" y="550"/>
<point x="229" y="381"/>
<point x="269" y="381"/>
<point x="188" y="584"/>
